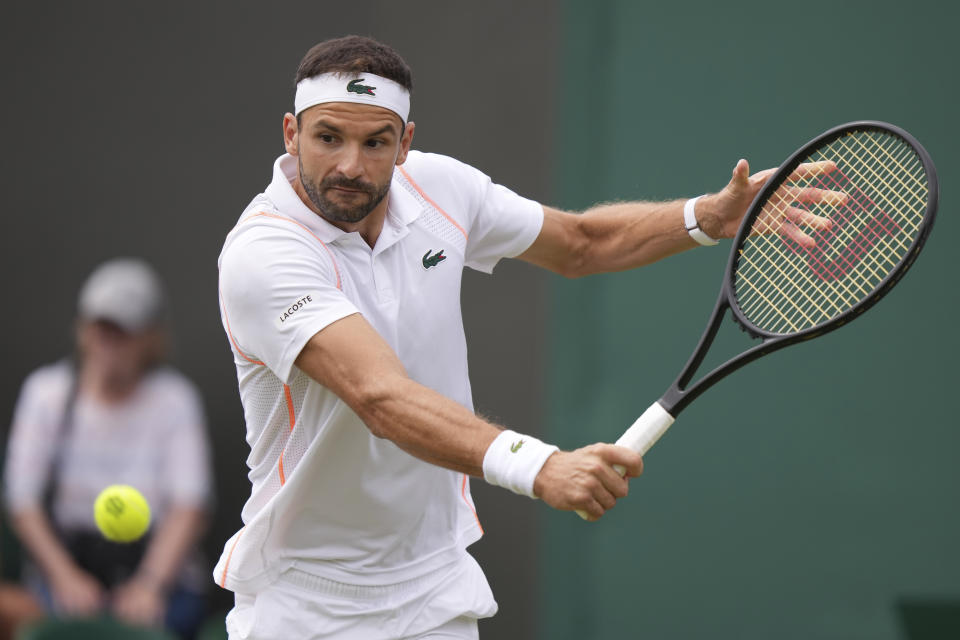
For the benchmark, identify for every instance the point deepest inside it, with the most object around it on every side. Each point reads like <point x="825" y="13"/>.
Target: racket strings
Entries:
<point x="854" y="243"/>
<point x="827" y="306"/>
<point x="840" y="297"/>
<point x="872" y="187"/>
<point x="776" y="210"/>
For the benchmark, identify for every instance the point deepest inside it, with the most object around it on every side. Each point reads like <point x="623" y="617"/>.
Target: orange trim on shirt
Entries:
<point x="230" y="333"/>
<point x="435" y="205"/>
<point x="293" y="420"/>
<point x="226" y="565"/>
<point x="463" y="494"/>
<point x="333" y="260"/>
<point x="323" y="244"/>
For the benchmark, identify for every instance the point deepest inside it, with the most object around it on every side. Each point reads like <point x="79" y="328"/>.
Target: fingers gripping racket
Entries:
<point x="828" y="235"/>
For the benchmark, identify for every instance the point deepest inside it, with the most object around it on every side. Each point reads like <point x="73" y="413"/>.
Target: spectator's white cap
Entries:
<point x="124" y="291"/>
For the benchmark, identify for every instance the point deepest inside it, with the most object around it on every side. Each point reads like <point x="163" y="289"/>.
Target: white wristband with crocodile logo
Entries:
<point x="693" y="227"/>
<point x="513" y="461"/>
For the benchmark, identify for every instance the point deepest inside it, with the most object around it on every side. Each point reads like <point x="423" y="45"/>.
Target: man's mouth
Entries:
<point x="347" y="190"/>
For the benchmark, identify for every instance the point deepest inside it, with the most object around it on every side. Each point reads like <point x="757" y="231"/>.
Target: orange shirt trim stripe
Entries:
<point x="323" y="244"/>
<point x="233" y="341"/>
<point x="435" y="205"/>
<point x="463" y="494"/>
<point x="226" y="565"/>
<point x="293" y="421"/>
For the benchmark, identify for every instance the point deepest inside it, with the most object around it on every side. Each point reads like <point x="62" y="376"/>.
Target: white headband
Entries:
<point x="363" y="88"/>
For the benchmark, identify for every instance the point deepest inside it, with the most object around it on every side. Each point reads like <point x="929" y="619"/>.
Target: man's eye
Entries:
<point x="326" y="137"/>
<point x="375" y="144"/>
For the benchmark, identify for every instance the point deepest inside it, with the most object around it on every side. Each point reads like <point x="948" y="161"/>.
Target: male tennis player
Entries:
<point x="340" y="295"/>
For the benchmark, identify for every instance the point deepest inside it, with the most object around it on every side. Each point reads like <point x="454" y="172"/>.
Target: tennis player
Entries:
<point x="340" y="296"/>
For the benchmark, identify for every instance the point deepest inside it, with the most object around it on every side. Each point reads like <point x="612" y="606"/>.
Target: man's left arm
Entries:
<point x="620" y="236"/>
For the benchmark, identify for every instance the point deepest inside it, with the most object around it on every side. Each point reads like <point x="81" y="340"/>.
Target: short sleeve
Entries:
<point x="278" y="288"/>
<point x="504" y="225"/>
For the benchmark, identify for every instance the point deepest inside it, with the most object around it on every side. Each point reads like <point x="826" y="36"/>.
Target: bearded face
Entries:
<point x="342" y="199"/>
<point x="346" y="155"/>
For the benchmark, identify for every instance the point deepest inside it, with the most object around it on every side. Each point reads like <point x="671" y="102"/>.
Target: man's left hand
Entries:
<point x="720" y="214"/>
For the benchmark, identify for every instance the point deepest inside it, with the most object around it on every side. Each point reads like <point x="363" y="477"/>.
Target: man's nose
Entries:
<point x="350" y="161"/>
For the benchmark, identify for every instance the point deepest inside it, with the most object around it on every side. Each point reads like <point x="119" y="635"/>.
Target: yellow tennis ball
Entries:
<point x="122" y="513"/>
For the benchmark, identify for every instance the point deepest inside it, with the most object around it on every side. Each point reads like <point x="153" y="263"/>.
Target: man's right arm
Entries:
<point x="351" y="359"/>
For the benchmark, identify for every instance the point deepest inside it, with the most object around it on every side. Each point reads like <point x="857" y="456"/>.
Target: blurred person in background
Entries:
<point x="113" y="414"/>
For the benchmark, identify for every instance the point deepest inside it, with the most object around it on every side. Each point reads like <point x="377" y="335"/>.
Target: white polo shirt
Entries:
<point x="328" y="497"/>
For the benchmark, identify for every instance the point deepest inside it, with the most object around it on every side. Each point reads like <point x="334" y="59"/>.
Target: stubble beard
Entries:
<point x="334" y="212"/>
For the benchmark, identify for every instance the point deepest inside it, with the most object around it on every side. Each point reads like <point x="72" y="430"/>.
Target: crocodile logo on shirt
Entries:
<point x="516" y="446"/>
<point x="433" y="260"/>
<point x="354" y="86"/>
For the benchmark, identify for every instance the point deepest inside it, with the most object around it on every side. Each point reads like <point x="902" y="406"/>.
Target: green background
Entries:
<point x="814" y="492"/>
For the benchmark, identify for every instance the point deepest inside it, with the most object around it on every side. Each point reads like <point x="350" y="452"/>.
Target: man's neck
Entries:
<point x="369" y="228"/>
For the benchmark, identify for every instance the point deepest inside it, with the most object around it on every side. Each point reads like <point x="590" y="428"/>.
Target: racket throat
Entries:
<point x="681" y="393"/>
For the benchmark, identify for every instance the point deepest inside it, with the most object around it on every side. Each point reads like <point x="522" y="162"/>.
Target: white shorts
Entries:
<point x="444" y="605"/>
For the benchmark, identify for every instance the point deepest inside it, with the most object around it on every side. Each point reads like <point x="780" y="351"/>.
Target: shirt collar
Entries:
<point x="402" y="207"/>
<point x="282" y="194"/>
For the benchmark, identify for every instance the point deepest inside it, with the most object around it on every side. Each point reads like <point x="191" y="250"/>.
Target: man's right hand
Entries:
<point x="76" y="593"/>
<point x="585" y="479"/>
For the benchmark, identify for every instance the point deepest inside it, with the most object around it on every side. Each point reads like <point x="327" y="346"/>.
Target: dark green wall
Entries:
<point x="811" y="493"/>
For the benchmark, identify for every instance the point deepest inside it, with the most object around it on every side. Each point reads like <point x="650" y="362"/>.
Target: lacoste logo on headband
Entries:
<point x="354" y="86"/>
<point x="357" y="87"/>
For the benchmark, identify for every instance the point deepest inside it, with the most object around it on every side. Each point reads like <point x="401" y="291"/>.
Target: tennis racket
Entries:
<point x="781" y="287"/>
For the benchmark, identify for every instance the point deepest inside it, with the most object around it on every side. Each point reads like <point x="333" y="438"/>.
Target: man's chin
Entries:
<point x="337" y="214"/>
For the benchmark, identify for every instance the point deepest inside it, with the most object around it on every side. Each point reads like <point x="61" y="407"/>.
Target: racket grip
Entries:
<point x="647" y="429"/>
<point x="642" y="435"/>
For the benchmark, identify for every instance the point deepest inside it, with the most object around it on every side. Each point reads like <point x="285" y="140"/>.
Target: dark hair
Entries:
<point x="355" y="54"/>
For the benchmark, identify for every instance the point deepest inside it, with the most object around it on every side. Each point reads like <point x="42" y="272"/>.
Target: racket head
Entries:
<point x="782" y="288"/>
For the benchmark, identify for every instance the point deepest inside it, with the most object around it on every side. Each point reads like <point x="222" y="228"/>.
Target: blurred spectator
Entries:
<point x="112" y="414"/>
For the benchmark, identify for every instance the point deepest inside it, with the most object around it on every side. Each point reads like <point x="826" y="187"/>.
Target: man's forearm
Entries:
<point x="633" y="234"/>
<point x="428" y="425"/>
<point x="609" y="237"/>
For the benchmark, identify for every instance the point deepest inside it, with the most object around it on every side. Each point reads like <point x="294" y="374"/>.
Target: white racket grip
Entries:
<point x="642" y="434"/>
<point x="647" y="429"/>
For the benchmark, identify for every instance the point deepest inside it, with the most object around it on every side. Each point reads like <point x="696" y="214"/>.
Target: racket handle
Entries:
<point x="647" y="429"/>
<point x="642" y="435"/>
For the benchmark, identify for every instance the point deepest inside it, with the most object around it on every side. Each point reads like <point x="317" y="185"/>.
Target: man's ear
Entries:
<point x="405" y="142"/>
<point x="291" y="131"/>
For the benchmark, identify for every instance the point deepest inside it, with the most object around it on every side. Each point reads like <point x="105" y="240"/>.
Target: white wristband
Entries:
<point x="693" y="227"/>
<point x="513" y="461"/>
